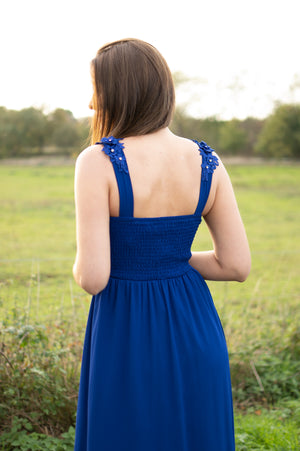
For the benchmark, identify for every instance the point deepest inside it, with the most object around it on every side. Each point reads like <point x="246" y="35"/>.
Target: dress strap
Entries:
<point x="113" y="147"/>
<point x="208" y="165"/>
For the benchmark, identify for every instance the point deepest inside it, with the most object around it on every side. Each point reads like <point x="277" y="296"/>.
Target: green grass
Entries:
<point x="267" y="302"/>
<point x="37" y="239"/>
<point x="261" y="317"/>
<point x="265" y="431"/>
<point x="37" y="242"/>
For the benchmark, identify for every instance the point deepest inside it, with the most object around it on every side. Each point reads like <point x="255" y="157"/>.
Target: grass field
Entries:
<point x="37" y="249"/>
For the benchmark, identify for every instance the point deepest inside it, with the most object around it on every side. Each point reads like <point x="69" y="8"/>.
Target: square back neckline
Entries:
<point x="114" y="148"/>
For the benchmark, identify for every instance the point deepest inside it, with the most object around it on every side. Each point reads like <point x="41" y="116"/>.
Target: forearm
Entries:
<point x="211" y="268"/>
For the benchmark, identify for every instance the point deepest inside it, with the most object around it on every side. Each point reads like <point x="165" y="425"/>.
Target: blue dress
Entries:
<point x="155" y="371"/>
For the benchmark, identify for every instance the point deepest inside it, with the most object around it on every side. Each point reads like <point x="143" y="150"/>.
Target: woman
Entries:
<point x="155" y="373"/>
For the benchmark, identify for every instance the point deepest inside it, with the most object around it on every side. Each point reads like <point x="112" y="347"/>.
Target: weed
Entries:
<point x="20" y="437"/>
<point x="266" y="373"/>
<point x="39" y="367"/>
<point x="260" y="431"/>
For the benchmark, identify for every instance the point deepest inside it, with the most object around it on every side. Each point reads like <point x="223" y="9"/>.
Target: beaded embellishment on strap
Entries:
<point x="114" y="149"/>
<point x="208" y="165"/>
<point x="209" y="161"/>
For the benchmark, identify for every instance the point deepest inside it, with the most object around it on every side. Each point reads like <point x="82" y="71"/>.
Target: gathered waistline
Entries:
<point x="142" y="277"/>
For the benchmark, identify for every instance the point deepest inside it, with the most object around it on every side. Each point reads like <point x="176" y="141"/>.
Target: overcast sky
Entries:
<point x="243" y="54"/>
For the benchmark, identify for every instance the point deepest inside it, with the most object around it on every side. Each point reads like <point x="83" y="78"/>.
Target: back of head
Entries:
<point x="133" y="90"/>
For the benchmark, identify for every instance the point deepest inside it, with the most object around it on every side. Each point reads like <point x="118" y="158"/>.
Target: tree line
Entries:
<point x="30" y="131"/>
<point x="277" y="136"/>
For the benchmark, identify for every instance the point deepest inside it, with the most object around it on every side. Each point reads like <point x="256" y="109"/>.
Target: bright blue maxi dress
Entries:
<point x="155" y="371"/>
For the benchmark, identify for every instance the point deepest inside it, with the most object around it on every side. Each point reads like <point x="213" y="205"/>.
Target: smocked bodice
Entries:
<point x="155" y="248"/>
<point x="152" y="248"/>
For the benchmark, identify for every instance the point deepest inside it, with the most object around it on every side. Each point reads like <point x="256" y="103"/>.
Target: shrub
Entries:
<point x="266" y="374"/>
<point x="22" y="438"/>
<point x="39" y="368"/>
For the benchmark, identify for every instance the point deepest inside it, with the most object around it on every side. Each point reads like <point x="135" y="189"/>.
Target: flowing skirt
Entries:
<point x="155" y="371"/>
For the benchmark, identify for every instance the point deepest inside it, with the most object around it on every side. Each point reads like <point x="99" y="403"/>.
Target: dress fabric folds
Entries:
<point x="155" y="372"/>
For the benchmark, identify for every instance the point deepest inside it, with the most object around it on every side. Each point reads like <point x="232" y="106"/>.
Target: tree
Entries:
<point x="232" y="137"/>
<point x="30" y="127"/>
<point x="83" y="128"/>
<point x="280" y="136"/>
<point x="21" y="132"/>
<point x="209" y="131"/>
<point x="9" y="140"/>
<point x="252" y="127"/>
<point x="184" y="125"/>
<point x="63" y="130"/>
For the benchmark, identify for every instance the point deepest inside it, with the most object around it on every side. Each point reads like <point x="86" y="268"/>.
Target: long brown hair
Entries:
<point x="133" y="90"/>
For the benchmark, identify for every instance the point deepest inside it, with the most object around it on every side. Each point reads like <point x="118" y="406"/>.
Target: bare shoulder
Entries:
<point x="93" y="165"/>
<point x="92" y="157"/>
<point x="220" y="170"/>
<point x="221" y="175"/>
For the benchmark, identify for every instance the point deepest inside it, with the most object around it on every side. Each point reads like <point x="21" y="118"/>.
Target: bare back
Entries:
<point x="165" y="172"/>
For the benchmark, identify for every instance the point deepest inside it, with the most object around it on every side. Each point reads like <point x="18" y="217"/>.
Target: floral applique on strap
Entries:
<point x="114" y="149"/>
<point x="209" y="161"/>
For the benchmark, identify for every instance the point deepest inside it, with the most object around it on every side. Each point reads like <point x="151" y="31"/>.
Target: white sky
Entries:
<point x="250" y="45"/>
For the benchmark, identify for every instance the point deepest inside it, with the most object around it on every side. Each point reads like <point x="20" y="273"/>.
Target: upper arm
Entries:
<point x="92" y="265"/>
<point x="225" y="224"/>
